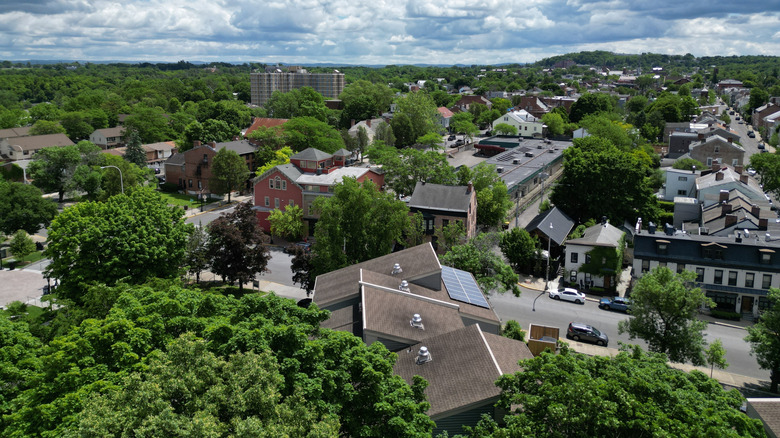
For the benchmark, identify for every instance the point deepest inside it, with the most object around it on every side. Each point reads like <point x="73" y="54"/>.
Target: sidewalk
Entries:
<point x="220" y="205"/>
<point x="730" y="379"/>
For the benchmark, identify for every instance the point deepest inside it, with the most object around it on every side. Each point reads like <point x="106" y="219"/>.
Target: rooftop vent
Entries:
<point x="396" y="269"/>
<point x="423" y="356"/>
<point x="404" y="286"/>
<point x="416" y="322"/>
<point x="768" y="237"/>
<point x="499" y="170"/>
<point x="529" y="154"/>
<point x="515" y="161"/>
<point x="539" y="146"/>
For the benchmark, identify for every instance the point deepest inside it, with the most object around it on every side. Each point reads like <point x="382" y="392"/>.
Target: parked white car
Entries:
<point x="568" y="294"/>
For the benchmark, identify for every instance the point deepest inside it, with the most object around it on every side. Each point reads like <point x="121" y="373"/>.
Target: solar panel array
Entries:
<point x="462" y="287"/>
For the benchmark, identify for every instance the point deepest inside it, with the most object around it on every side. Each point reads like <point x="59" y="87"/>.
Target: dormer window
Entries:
<point x="713" y="251"/>
<point x="765" y="256"/>
<point x="662" y="247"/>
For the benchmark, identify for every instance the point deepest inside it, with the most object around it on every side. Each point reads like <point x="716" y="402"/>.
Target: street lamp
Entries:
<point x="121" y="180"/>
<point x="547" y="275"/>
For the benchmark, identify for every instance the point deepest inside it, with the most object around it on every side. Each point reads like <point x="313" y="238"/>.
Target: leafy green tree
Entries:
<point x="405" y="168"/>
<point x="228" y="172"/>
<point x="504" y="129"/>
<point x="131" y="176"/>
<point x="617" y="182"/>
<point x="134" y="153"/>
<point x="758" y="96"/>
<point x="151" y="124"/>
<point x="24" y="208"/>
<point x="302" y="269"/>
<point x="196" y="256"/>
<point x="77" y="125"/>
<point x="688" y="164"/>
<point x="21" y="245"/>
<point x="767" y="166"/>
<point x="281" y="156"/>
<point x="300" y="102"/>
<point x="431" y="140"/>
<point x="454" y="233"/>
<point x="512" y="330"/>
<point x="554" y="122"/>
<point x="492" y="196"/>
<point x="357" y="223"/>
<point x="609" y="127"/>
<point x="632" y="394"/>
<point x="51" y="168"/>
<point x="478" y="257"/>
<point x="43" y="127"/>
<point x="501" y="105"/>
<point x="487" y="118"/>
<point x="134" y="236"/>
<point x="19" y="360"/>
<point x="664" y="313"/>
<point x="519" y="248"/>
<point x="403" y="131"/>
<point x="384" y="133"/>
<point x="308" y="132"/>
<point x="764" y="339"/>
<point x="45" y="111"/>
<point x="364" y="100"/>
<point x="591" y="103"/>
<point x="237" y="246"/>
<point x="287" y="223"/>
<point x="715" y="356"/>
<point x="421" y="112"/>
<point x="190" y="391"/>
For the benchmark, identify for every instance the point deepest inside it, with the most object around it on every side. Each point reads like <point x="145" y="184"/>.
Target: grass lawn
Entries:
<point x="32" y="312"/>
<point x="180" y="199"/>
<point x="34" y="257"/>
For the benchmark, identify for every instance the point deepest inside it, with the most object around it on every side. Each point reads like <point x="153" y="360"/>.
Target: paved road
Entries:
<point x="559" y="313"/>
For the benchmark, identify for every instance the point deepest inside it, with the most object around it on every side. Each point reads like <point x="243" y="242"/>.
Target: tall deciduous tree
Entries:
<point x="309" y="132"/>
<point x="764" y="339"/>
<point x="51" y="168"/>
<point x="492" y="196"/>
<point x="767" y="167"/>
<point x="632" y="394"/>
<point x="405" y="168"/>
<point x="228" y="172"/>
<point x="591" y="103"/>
<point x="357" y="223"/>
<point x="421" y="113"/>
<point x="23" y="207"/>
<point x="21" y="245"/>
<point x="287" y="223"/>
<point x="43" y="127"/>
<point x="519" y="248"/>
<point x="196" y="257"/>
<point x="478" y="257"/>
<point x="664" y="313"/>
<point x="130" y="237"/>
<point x="236" y="245"/>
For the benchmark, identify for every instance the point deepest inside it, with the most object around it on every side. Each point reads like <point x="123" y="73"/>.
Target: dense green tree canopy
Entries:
<point x="767" y="167"/>
<point x="632" y="394"/>
<point x="228" y="172"/>
<point x="591" y="103"/>
<point x="478" y="257"/>
<point x="664" y="313"/>
<point x="519" y="248"/>
<point x="134" y="237"/>
<point x="421" y="112"/>
<point x="405" y="168"/>
<point x="23" y="207"/>
<point x="308" y="132"/>
<point x="357" y="223"/>
<point x="764" y="339"/>
<point x="492" y="196"/>
<point x="601" y="180"/>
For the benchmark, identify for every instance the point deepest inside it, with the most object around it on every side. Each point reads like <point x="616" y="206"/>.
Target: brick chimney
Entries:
<point x="470" y="187"/>
<point x="213" y="144"/>
<point x="755" y="210"/>
<point x="719" y="176"/>
<point x="725" y="209"/>
<point x="743" y="179"/>
<point x="701" y="136"/>
<point x="368" y="123"/>
<point x="731" y="219"/>
<point x="723" y="196"/>
<point x="715" y="166"/>
<point x="729" y="139"/>
<point x="195" y="143"/>
<point x="738" y="169"/>
<point x="352" y="123"/>
<point x="762" y="224"/>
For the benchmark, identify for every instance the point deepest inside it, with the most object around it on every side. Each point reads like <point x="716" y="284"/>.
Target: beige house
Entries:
<point x="23" y="148"/>
<point x="718" y="149"/>
<point x="108" y="137"/>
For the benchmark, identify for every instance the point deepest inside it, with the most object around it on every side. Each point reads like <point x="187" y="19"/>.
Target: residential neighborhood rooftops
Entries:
<point x="603" y="234"/>
<point x="561" y="225"/>
<point x="333" y="177"/>
<point x="265" y="122"/>
<point x="35" y="142"/>
<point x="311" y="154"/>
<point x="15" y="132"/>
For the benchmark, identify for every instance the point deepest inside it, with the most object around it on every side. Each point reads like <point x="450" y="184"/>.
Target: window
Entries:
<point x="308" y="208"/>
<point x="278" y="183"/>
<point x="271" y="183"/>
<point x="749" y="279"/>
<point x="766" y="258"/>
<point x="709" y="161"/>
<point x="587" y="278"/>
<point x="428" y="224"/>
<point x="700" y="274"/>
<point x="645" y="265"/>
<point x="205" y="158"/>
<point x="291" y="203"/>
<point x="445" y="222"/>
<point x="723" y="300"/>
<point x="732" y="278"/>
<point x="574" y="257"/>
<point x="766" y="283"/>
<point x="680" y="267"/>
<point x="682" y="192"/>
<point x="573" y="277"/>
<point x="587" y="258"/>
<point x="267" y="201"/>
<point x="200" y="185"/>
<point x="735" y="162"/>
<point x="284" y="184"/>
<point x="662" y="247"/>
<point x="716" y="149"/>
<point x="713" y="253"/>
<point x="764" y="303"/>
<point x="662" y="264"/>
<point x="276" y="202"/>
<point x="682" y="178"/>
<point x="190" y="183"/>
<point x="718" y="276"/>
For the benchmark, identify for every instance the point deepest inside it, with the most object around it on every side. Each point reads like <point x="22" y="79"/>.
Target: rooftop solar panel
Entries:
<point x="462" y="287"/>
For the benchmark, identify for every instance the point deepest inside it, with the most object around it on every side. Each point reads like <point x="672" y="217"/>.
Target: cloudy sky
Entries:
<point x="380" y="32"/>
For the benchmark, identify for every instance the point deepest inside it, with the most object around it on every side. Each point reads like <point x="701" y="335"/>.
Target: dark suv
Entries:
<point x="583" y="332"/>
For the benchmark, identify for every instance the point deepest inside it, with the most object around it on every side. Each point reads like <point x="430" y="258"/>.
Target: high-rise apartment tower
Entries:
<point x="275" y="78"/>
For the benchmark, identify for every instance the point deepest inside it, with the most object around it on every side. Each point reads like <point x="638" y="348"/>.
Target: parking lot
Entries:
<point x="21" y="285"/>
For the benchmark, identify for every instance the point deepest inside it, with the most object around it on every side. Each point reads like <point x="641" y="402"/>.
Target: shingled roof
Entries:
<point x="440" y="197"/>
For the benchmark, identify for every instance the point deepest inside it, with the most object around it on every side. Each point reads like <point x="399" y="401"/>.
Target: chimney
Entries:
<point x="725" y="208"/>
<point x="729" y="139"/>
<point x="701" y="136"/>
<point x="738" y="168"/>
<point x="352" y="123"/>
<point x="368" y="123"/>
<point x="755" y="210"/>
<point x="715" y="166"/>
<point x="763" y="224"/>
<point x="236" y="138"/>
<point x="731" y="219"/>
<point x="423" y="356"/>
<point x="470" y="187"/>
<point x="195" y="143"/>
<point x="743" y="179"/>
<point x="213" y="144"/>
<point x="719" y="176"/>
<point x="724" y="196"/>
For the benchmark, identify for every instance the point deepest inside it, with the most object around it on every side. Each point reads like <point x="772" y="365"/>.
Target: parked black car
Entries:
<point x="451" y="137"/>
<point x="583" y="332"/>
<point x="290" y="249"/>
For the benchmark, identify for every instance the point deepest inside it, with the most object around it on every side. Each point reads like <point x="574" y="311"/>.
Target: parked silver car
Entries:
<point x="568" y="294"/>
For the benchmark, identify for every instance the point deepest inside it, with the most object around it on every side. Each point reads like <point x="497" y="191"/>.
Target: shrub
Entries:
<point x="722" y="314"/>
<point x="169" y="187"/>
